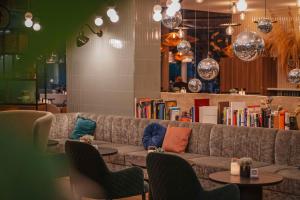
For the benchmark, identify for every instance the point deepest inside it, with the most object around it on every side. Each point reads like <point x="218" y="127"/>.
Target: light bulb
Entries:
<point x="168" y="3"/>
<point x="229" y="30"/>
<point x="298" y="3"/>
<point x="28" y="15"/>
<point x="157" y="16"/>
<point x="234" y="9"/>
<point x="111" y="12"/>
<point x="114" y="18"/>
<point x="28" y="23"/>
<point x="242" y="5"/>
<point x="242" y="16"/>
<point x="98" y="21"/>
<point x="170" y="12"/>
<point x="199" y="1"/>
<point x="36" y="26"/>
<point x="157" y="8"/>
<point x="181" y="33"/>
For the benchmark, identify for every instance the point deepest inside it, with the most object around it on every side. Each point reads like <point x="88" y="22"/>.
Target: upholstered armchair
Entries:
<point x="33" y="126"/>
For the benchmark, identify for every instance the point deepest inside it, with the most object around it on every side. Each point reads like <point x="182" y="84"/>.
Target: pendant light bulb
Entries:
<point x="242" y="16"/>
<point x="229" y="30"/>
<point x="241" y="5"/>
<point x="111" y="12"/>
<point x="98" y="21"/>
<point x="181" y="33"/>
<point x="28" y="15"/>
<point x="36" y="26"/>
<point x="28" y="23"/>
<point x="114" y="18"/>
<point x="157" y="16"/>
<point x="234" y="9"/>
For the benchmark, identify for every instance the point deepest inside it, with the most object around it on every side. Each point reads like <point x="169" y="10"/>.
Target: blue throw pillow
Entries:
<point x="154" y="135"/>
<point x="83" y="127"/>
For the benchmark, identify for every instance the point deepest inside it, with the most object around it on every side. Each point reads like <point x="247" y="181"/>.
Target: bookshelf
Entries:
<point x="295" y="92"/>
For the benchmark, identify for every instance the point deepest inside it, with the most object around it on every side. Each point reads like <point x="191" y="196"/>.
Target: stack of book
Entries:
<point x="157" y="109"/>
<point x="238" y="114"/>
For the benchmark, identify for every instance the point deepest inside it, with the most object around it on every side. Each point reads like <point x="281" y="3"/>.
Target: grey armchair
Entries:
<point x="172" y="178"/>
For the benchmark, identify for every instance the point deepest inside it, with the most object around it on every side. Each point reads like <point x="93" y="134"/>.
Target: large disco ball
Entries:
<point x="294" y="76"/>
<point x="184" y="47"/>
<point x="248" y="46"/>
<point x="195" y="85"/>
<point x="208" y="69"/>
<point x="171" y="22"/>
<point x="265" y="25"/>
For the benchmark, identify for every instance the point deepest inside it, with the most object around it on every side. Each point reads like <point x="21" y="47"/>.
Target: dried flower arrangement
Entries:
<point x="87" y="138"/>
<point x="284" y="43"/>
<point x="245" y="161"/>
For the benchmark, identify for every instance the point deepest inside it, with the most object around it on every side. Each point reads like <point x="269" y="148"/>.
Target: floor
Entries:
<point x="64" y="186"/>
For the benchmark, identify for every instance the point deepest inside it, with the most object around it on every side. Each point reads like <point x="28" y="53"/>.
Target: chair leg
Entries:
<point x="143" y="196"/>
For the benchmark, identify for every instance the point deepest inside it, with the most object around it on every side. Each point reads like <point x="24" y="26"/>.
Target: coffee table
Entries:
<point x="250" y="189"/>
<point x="105" y="151"/>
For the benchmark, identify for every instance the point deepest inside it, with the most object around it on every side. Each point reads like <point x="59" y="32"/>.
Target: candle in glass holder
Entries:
<point x="234" y="167"/>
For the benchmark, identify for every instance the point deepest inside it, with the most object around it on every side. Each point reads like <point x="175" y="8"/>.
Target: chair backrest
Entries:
<point x="34" y="126"/>
<point x="86" y="163"/>
<point x="171" y="177"/>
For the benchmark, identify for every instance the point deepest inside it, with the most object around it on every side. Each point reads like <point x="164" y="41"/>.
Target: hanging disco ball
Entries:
<point x="208" y="69"/>
<point x="184" y="47"/>
<point x="265" y="25"/>
<point x="248" y="46"/>
<point x="294" y="76"/>
<point x="171" y="22"/>
<point x="195" y="85"/>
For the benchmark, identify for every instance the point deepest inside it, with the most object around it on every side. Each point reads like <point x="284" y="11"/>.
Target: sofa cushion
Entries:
<point x="123" y="149"/>
<point x="287" y="148"/>
<point x="139" y="158"/>
<point x="83" y="127"/>
<point x="153" y="135"/>
<point x="229" y="141"/>
<point x="206" y="165"/>
<point x="176" y="139"/>
<point x="291" y="178"/>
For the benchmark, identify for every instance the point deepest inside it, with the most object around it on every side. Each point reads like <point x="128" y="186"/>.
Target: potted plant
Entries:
<point x="245" y="167"/>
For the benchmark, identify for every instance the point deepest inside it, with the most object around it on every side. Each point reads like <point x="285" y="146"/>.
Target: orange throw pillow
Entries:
<point x="176" y="139"/>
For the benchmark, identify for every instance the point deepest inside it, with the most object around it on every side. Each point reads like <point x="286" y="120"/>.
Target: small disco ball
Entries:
<point x="265" y="25"/>
<point x="208" y="69"/>
<point x="248" y="46"/>
<point x="195" y="85"/>
<point x="184" y="47"/>
<point x="294" y="76"/>
<point x="171" y="22"/>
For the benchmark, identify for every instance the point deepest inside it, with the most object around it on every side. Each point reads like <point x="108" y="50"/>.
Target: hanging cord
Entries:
<point x="208" y="31"/>
<point x="195" y="55"/>
<point x="265" y="8"/>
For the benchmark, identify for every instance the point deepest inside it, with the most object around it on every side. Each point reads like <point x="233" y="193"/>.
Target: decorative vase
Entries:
<point x="245" y="171"/>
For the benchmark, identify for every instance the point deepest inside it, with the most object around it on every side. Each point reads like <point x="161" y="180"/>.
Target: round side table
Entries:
<point x="250" y="188"/>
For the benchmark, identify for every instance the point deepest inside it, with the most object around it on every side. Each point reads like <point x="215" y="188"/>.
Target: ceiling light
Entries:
<point x="242" y="16"/>
<point x="199" y="1"/>
<point x="241" y="5"/>
<point x="114" y="18"/>
<point x="157" y="16"/>
<point x="157" y="8"/>
<point x="36" y="26"/>
<point x="111" y="12"/>
<point x="28" y="15"/>
<point x="28" y="23"/>
<point x="98" y="21"/>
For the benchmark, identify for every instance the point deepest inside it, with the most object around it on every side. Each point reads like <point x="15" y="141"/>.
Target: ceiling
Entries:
<point x="223" y="5"/>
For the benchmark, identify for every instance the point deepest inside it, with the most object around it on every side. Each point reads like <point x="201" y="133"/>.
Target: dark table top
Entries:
<point x="104" y="151"/>
<point x="263" y="180"/>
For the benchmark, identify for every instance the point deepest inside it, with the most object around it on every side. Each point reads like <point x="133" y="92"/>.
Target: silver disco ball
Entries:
<point x="248" y="46"/>
<point x="208" y="69"/>
<point x="195" y="85"/>
<point x="171" y="22"/>
<point x="265" y="25"/>
<point x="294" y="76"/>
<point x="184" y="47"/>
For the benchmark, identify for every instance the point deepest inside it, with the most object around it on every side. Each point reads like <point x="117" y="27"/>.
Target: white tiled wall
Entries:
<point x="107" y="73"/>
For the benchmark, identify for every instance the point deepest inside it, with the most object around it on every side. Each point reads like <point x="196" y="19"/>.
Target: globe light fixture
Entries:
<point x="157" y="8"/>
<point x="111" y="12"/>
<point x="195" y="85"/>
<point x="157" y="16"/>
<point x="171" y="22"/>
<point x="114" y="18"/>
<point x="229" y="30"/>
<point x="241" y="5"/>
<point x="294" y="76"/>
<point x="36" y="26"/>
<point x="265" y="25"/>
<point x="184" y="47"/>
<point x="28" y="23"/>
<point x="248" y="46"/>
<point x="98" y="21"/>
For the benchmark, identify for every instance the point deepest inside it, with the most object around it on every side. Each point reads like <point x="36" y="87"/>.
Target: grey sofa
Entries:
<point x="210" y="147"/>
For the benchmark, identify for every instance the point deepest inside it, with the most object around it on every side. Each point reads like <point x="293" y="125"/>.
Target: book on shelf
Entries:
<point x="169" y="104"/>
<point x="174" y="113"/>
<point x="221" y="106"/>
<point x="208" y="114"/>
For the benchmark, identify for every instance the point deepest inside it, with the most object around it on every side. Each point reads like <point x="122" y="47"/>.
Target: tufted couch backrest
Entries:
<point x="265" y="145"/>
